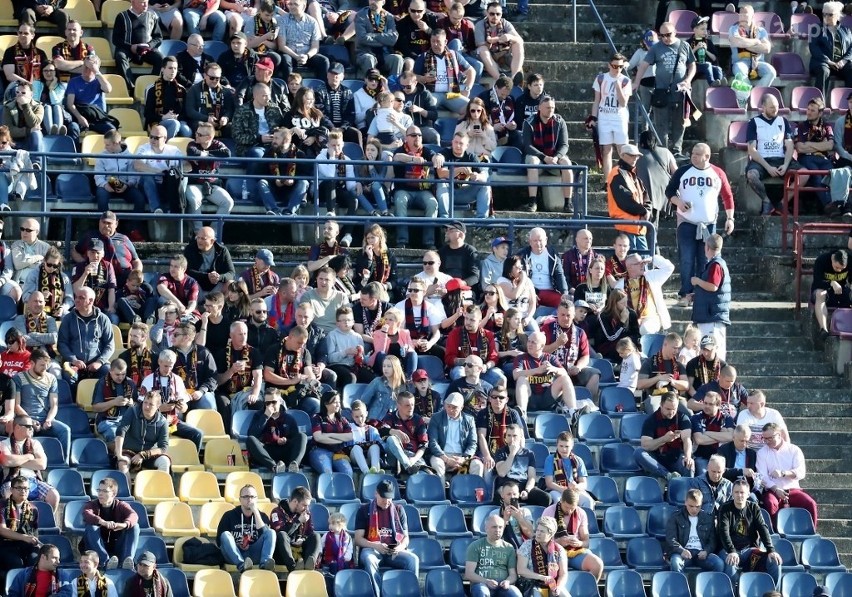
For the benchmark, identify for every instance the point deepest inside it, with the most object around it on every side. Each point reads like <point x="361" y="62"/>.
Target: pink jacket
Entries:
<point x="381" y="343"/>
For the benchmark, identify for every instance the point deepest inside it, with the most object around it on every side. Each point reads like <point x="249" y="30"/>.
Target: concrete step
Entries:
<point x="828" y="466"/>
<point x="797" y="424"/>
<point x="789" y="370"/>
<point x="823" y="452"/>
<point x="832" y="511"/>
<point x="824" y="395"/>
<point x="813" y="410"/>
<point x="745" y="358"/>
<point x="816" y="438"/>
<point x="834" y="527"/>
<point x="777" y="343"/>
<point x="805" y="382"/>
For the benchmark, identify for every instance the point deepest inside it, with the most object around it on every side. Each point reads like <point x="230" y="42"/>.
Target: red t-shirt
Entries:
<point x="715" y="275"/>
<point x="12" y="363"/>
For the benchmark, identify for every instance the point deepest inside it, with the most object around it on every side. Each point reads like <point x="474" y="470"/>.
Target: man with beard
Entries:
<point x="209" y="101"/>
<point x="281" y="306"/>
<point x="165" y="102"/>
<point x="239" y="373"/>
<point x="260" y="334"/>
<point x="369" y="310"/>
<point x="208" y="262"/>
<point x="97" y="275"/>
<point x="86" y="341"/>
<point x="196" y="367"/>
<point x="138" y="356"/>
<point x="470" y="340"/>
<point x="43" y="577"/>
<point x="569" y="343"/>
<point x="39" y="330"/>
<point x="316" y="344"/>
<point x="260" y="280"/>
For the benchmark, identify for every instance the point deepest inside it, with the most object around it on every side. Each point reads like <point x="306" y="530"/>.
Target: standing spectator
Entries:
<point x="712" y="294"/>
<point x="165" y="102"/>
<point x="498" y="45"/>
<point x="749" y="45"/>
<point x="831" y="49"/>
<point x="160" y="182"/>
<point x="136" y="37"/>
<point x="22" y="61"/>
<point x="644" y="288"/>
<point x="112" y="527"/>
<point x="325" y="299"/>
<point x="546" y="142"/>
<point x="210" y="101"/>
<point x="691" y="536"/>
<point x="205" y="182"/>
<point x="741" y="531"/>
<point x="375" y="37"/>
<point x="666" y="443"/>
<point x="609" y="109"/>
<point x="299" y="42"/>
<point x="655" y="170"/>
<point x="142" y="437"/>
<point x="85" y="100"/>
<point x="244" y="534"/>
<point x="675" y="69"/>
<point x="491" y="563"/>
<point x="627" y="198"/>
<point x="119" y="181"/>
<point x="23" y="115"/>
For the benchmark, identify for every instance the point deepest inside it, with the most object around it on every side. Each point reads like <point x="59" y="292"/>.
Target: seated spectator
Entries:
<point x="297" y="544"/>
<point x="570" y="345"/>
<point x="379" y="396"/>
<point x="208" y="262"/>
<point x="751" y="43"/>
<point x="23" y="61"/>
<point x="422" y="319"/>
<point x="119" y="181"/>
<point x="330" y="432"/>
<point x="281" y="185"/>
<point x="740" y="459"/>
<point x="481" y="134"/>
<point x="714" y="487"/>
<point x="376" y="264"/>
<point x="50" y="91"/>
<point x="118" y="248"/>
<point x="23" y="115"/>
<point x="177" y="288"/>
<point x="518" y="520"/>
<point x="499" y="46"/>
<point x="274" y="440"/>
<point x="662" y="373"/>
<point x="406" y="439"/>
<point x="337" y="551"/>
<point x="25" y="462"/>
<point x="706" y="54"/>
<point x="471" y="385"/>
<point x="253" y="134"/>
<point x="299" y="42"/>
<point x="452" y="440"/>
<point x="490" y="563"/>
<point x="162" y="178"/>
<point x="37" y="330"/>
<point x="337" y="101"/>
<point x="260" y="334"/>
<point x="476" y="197"/>
<point x="781" y="465"/>
<point x="615" y="321"/>
<point x="169" y="17"/>
<point x="830" y="288"/>
<point x="572" y="533"/>
<point x="414" y="28"/>
<point x="16" y="357"/>
<point x="518" y="289"/>
<point x="831" y="49"/>
<point x="564" y="471"/>
<point x="666" y="443"/>
<point x="244" y="534"/>
<point x="29" y="252"/>
<point x="457" y="76"/>
<point x="436" y="281"/>
<point x="706" y="367"/>
<point x="203" y="16"/>
<point x="263" y="74"/>
<point x="500" y="109"/>
<point x="17" y="173"/>
<point x="491" y="268"/>
<point x="97" y="274"/>
<point x="346" y="350"/>
<point x="814" y="143"/>
<point x="210" y="101"/>
<point x="42" y="11"/>
<point x="691" y="537"/>
<point x="710" y="429"/>
<point x="460" y="35"/>
<point x="165" y="102"/>
<point x="542" y="384"/>
<point x="85" y="99"/>
<point x="310" y="127"/>
<point x="42" y="576"/>
<point x="113" y="395"/>
<point x="511" y="339"/>
<point x="148" y="580"/>
<point x="418" y="104"/>
<point x="240" y="374"/>
<point x="193" y="61"/>
<point x="493" y="309"/>
<point x="238" y="64"/>
<point x="36" y="395"/>
<point x="112" y="527"/>
<point x="281" y="306"/>
<point x="770" y="150"/>
<point x="515" y="462"/>
<point x="174" y="397"/>
<point x="543" y="267"/>
<point x="375" y="38"/>
<point x="142" y="437"/>
<point x="470" y="340"/>
<point x="163" y="332"/>
<point x="136" y="37"/>
<point x="92" y="578"/>
<point x="213" y="326"/>
<point x="195" y="366"/>
<point x="627" y="198"/>
<point x="338" y="186"/>
<point x="205" y="183"/>
<point x="325" y="300"/>
<point x="542" y="561"/>
<point x="260" y="280"/>
<point x="381" y="533"/>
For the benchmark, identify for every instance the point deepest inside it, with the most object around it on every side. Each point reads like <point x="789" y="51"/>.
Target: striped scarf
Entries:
<point x="559" y="476"/>
<point x="541" y="557"/>
<point x="261" y="28"/>
<point x="544" y="135"/>
<point x="176" y="102"/>
<point x="213" y="99"/>
<point x="26" y="447"/>
<point x="481" y="345"/>
<point x="81" y="52"/>
<point x="27" y="63"/>
<point x="289" y="170"/>
<point x="101" y="589"/>
<point x="334" y="551"/>
<point x="378" y="21"/>
<point x="187" y="369"/>
<point x="139" y="366"/>
<point x="421" y="331"/>
<point x="111" y="390"/>
<point x="239" y="381"/>
<point x="98" y="283"/>
<point x="19" y="521"/>
<point x="452" y="65"/>
<point x="50" y="285"/>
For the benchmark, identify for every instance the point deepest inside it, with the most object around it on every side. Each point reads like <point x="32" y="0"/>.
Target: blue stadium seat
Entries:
<point x="120" y="577"/>
<point x="581" y="583"/>
<point x="157" y="547"/>
<point x="789" y="558"/>
<point x="145" y="527"/>
<point x="755" y="583"/>
<point x="240" y="424"/>
<point x="446" y="128"/>
<point x="512" y="157"/>
<point x="77" y="419"/>
<point x="795" y="523"/>
<point x="53" y="451"/>
<point x="657" y="517"/>
<point x="354" y="85"/>
<point x="8" y="309"/>
<point x="645" y="554"/>
<point x="582" y="393"/>
<point x="642" y="492"/>
<point x="458" y="552"/>
<point x="353" y="151"/>
<point x="215" y="48"/>
<point x="596" y="429"/>
<point x="424" y="489"/>
<point x="441" y="582"/>
<point x="61" y="144"/>
<point x="319" y="516"/>
<point x="839" y="584"/>
<point x="369" y="482"/>
<point x="617" y="402"/>
<point x="594" y="530"/>
<point x="541" y="452"/>
<point x="336" y="53"/>
<point x="676" y="491"/>
<point x="607" y="550"/>
<point x="768" y="520"/>
<point x="480" y="513"/>
<point x="400" y="583"/>
<point x="617" y="459"/>
<point x="797" y="584"/>
<point x="303" y="419"/>
<point x="334" y="489"/>
<point x="69" y="483"/>
<point x="429" y="551"/>
<point x="820" y="555"/>
<point x="89" y="453"/>
<point x="548" y="426"/>
<point x="624" y="583"/>
<point x="66" y="552"/>
<point x="605" y="490"/>
<point x="283" y="485"/>
<point x="65" y="396"/>
<point x="351" y="393"/>
<point x="605" y="367"/>
<point x="176" y="578"/>
<point x="584" y="453"/>
<point x="349" y="510"/>
<point x="714" y="584"/>
<point x="72" y="518"/>
<point x="669" y="584"/>
<point x="353" y="583"/>
<point x="73" y="187"/>
<point x="120" y="478"/>
<point x="630" y="430"/>
<point x="415" y="524"/>
<point x="173" y="47"/>
<point x="622" y="523"/>
<point x="433" y="366"/>
<point x="463" y="490"/>
<point x="447" y="522"/>
<point x="10" y="578"/>
<point x="46" y="518"/>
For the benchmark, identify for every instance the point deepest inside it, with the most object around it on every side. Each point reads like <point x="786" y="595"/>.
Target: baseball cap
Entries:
<point x="374" y="74"/>
<point x="109" y="215"/>
<point x="708" y="340"/>
<point x="455" y="399"/>
<point x="418" y="375"/>
<point x="629" y="149"/>
<point x="238" y="35"/>
<point x="385" y="489"/>
<point x="96" y="244"/>
<point x="456" y="225"/>
<point x="265" y="255"/>
<point x="698" y="21"/>
<point x="336" y="68"/>
<point x="648" y="37"/>
<point x="499" y="241"/>
<point x="580" y="303"/>
<point x="265" y="63"/>
<point x="147" y="558"/>
<point x="456" y="284"/>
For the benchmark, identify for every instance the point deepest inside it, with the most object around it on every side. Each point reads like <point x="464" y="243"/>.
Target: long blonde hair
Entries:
<point x="397" y="379"/>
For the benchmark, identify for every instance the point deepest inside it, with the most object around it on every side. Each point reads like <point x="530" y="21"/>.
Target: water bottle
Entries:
<point x="245" y="191"/>
<point x="700" y="55"/>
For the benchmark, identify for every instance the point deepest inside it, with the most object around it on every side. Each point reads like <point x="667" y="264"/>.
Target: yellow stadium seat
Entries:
<point x="7" y="14"/>
<point x="212" y="583"/>
<point x="208" y="421"/>
<point x="180" y="143"/>
<point x="84" y="13"/>
<point x="174" y="519"/>
<point x="235" y="481"/>
<point x="210" y="515"/>
<point x="263" y="582"/>
<point x="267" y="507"/>
<point x="102" y="49"/>
<point x="92" y="143"/>
<point x="110" y="9"/>
<point x="301" y="583"/>
<point x="119" y="96"/>
<point x="134" y="142"/>
<point x="153" y="487"/>
<point x="143" y="82"/>
<point x="85" y="393"/>
<point x="45" y="43"/>
<point x="184" y="455"/>
<point x="119" y="342"/>
<point x="218" y="451"/>
<point x="177" y="556"/>
<point x="7" y="41"/>
<point x="129" y="121"/>
<point x="199" y="487"/>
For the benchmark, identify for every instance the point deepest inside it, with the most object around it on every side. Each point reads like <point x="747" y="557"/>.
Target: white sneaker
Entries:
<point x="112" y="563"/>
<point x="128" y="563"/>
<point x="158" y="211"/>
<point x="346" y="240"/>
<point x="280" y="467"/>
<point x="5" y="207"/>
<point x="330" y="214"/>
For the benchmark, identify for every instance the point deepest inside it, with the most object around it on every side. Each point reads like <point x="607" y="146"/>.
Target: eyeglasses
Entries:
<point x="262" y="312"/>
<point x="51" y="265"/>
<point x="495" y="14"/>
<point x="499" y="397"/>
<point x="476" y="110"/>
<point x="248" y="497"/>
<point x="49" y="70"/>
<point x="212" y="78"/>
<point x="27" y="229"/>
<point x="428" y="263"/>
<point x="155" y="137"/>
<point x="414" y="135"/>
<point x="396" y="99"/>
<point x="171" y="312"/>
<point x="470" y="364"/>
<point x="21" y="487"/>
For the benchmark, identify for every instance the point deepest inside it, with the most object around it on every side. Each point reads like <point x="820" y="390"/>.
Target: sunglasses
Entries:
<point x="428" y="263"/>
<point x="155" y="137"/>
<point x="414" y="135"/>
<point x="263" y="312"/>
<point x="667" y="34"/>
<point x="51" y="265"/>
<point x="27" y="229"/>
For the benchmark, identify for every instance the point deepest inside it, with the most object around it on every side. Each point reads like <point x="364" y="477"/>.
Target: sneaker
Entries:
<point x="268" y="564"/>
<point x="529" y="207"/>
<point x="375" y="213"/>
<point x="310" y="563"/>
<point x="729" y="7"/>
<point x="62" y="130"/>
<point x="247" y="565"/>
<point x="832" y="210"/>
<point x="5" y="207"/>
<point x="112" y="563"/>
<point x="413" y="469"/>
<point x="269" y="212"/>
<point x="330" y="214"/>
<point x="346" y="241"/>
<point x="775" y="212"/>
<point x="723" y="82"/>
<point x="293" y="468"/>
<point x="683" y="301"/>
<point x="518" y="79"/>
<point x="158" y="211"/>
<point x="847" y="213"/>
<point x="280" y="467"/>
<point x="128" y="563"/>
<point x="568" y="208"/>
<point x="387" y="214"/>
<point x="765" y="208"/>
<point x="53" y="129"/>
<point x="672" y="475"/>
<point x="300" y="565"/>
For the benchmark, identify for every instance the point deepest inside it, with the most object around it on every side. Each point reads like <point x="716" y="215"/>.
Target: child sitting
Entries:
<point x="135" y="300"/>
<point x="705" y="53"/>
<point x="426" y="400"/>
<point x="337" y="548"/>
<point x="689" y="350"/>
<point x="365" y="438"/>
<point x="630" y="364"/>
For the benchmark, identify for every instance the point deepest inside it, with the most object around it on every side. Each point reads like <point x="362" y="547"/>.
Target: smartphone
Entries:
<point x="515" y="502"/>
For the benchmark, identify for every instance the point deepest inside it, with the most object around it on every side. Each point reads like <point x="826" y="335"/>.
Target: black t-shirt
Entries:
<point x="372" y="315"/>
<point x="383" y="523"/>
<point x="824" y="273"/>
<point x="655" y="426"/>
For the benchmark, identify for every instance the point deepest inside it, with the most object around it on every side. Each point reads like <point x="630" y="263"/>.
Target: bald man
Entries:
<point x="29" y="252"/>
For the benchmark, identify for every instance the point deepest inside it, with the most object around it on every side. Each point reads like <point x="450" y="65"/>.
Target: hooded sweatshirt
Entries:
<point x="88" y="339"/>
<point x="490" y="269"/>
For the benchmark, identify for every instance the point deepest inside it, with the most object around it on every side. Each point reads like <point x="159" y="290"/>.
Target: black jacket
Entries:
<point x="729" y="452"/>
<point x="422" y="99"/>
<point x="187" y="67"/>
<point x="677" y="532"/>
<point x="238" y="71"/>
<point x="171" y="102"/>
<point x="277" y="91"/>
<point x="205" y="368"/>
<point x="262" y="337"/>
<point x="729" y="522"/>
<point x="347" y="105"/>
<point x="821" y="45"/>
<point x="222" y="263"/>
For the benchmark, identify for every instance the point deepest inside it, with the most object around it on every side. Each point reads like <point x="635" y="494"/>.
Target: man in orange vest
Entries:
<point x="627" y="198"/>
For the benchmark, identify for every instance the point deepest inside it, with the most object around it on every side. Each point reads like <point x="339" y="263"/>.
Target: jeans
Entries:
<point x="389" y="63"/>
<point x="691" y="252"/>
<point x="317" y="63"/>
<point x="395" y="449"/>
<point x="465" y="196"/>
<point x="259" y="551"/>
<point x="455" y="44"/>
<point x="765" y="72"/>
<point x="215" y="21"/>
<point x="371" y="560"/>
<point x="456" y="105"/>
<point x="291" y="196"/>
<point x="323" y="461"/>
<point x="708" y="71"/>
<point x="772" y="569"/>
<point x="151" y="188"/>
<point x="267" y="455"/>
<point x="126" y="313"/>
<point x="107" y="429"/>
<point x="815" y="162"/>
<point x="712" y="563"/>
<point x="482" y="590"/>
<point x="60" y="431"/>
<point x="377" y="192"/>
<point x="651" y="464"/>
<point x="333" y="196"/>
<point x="638" y="242"/>
<point x="218" y="196"/>
<point x="423" y="199"/>
<point x="176" y="128"/>
<point x="132" y="195"/>
<point x="207" y="401"/>
<point x="125" y="545"/>
<point x="284" y="551"/>
<point x="189" y="432"/>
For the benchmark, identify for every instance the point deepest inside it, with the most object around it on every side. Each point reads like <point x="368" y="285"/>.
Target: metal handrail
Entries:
<point x="792" y="183"/>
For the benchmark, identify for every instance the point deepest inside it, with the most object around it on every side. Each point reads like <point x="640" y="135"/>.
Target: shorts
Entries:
<point x="542" y="401"/>
<point x="576" y="562"/>
<point x="835" y="301"/>
<point x="612" y="133"/>
<point x="584" y="376"/>
<point x="38" y="489"/>
<point x="774" y="162"/>
<point x="107" y="428"/>
<point x="166" y="17"/>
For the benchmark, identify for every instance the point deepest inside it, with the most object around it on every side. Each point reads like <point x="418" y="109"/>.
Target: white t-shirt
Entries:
<point x="693" y="542"/>
<point x="262" y="124"/>
<point x="161" y="161"/>
<point x="756" y="425"/>
<point x="442" y="81"/>
<point x="6" y="448"/>
<point x="609" y="112"/>
<point x="435" y="313"/>
<point x="441" y="278"/>
<point x="540" y="270"/>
